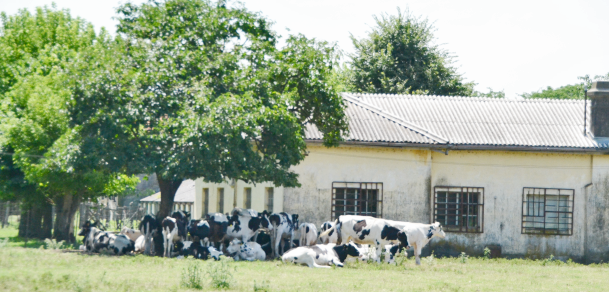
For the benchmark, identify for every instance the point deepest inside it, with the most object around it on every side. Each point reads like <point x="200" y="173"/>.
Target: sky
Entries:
<point x="515" y="46"/>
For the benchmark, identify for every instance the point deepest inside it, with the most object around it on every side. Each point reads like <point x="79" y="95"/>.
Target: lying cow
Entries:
<point x="131" y="233"/>
<point x="249" y="251"/>
<point x="323" y="255"/>
<point x="369" y="230"/>
<point x="331" y="237"/>
<point x="420" y="234"/>
<point x="283" y="228"/>
<point x="308" y="234"/>
<point x="198" y="251"/>
<point x="120" y="244"/>
<point x="96" y="240"/>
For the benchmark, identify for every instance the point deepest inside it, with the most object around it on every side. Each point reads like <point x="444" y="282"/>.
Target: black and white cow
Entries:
<point x="248" y="251"/>
<point x="331" y="237"/>
<point x="96" y="240"/>
<point x="218" y="225"/>
<point x="308" y="234"/>
<point x="201" y="230"/>
<point x="148" y="227"/>
<point x="198" y="251"/>
<point x="284" y="225"/>
<point x="140" y="244"/>
<point x="323" y="255"/>
<point x="120" y="244"/>
<point x="419" y="234"/>
<point x="244" y="223"/>
<point x="369" y="230"/>
<point x="173" y="231"/>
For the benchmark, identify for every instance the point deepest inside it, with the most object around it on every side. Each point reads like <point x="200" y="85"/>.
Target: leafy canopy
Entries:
<point x="399" y="56"/>
<point x="571" y="91"/>
<point x="199" y="88"/>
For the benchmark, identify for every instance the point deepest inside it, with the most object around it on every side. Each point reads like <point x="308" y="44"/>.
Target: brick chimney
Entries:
<point x="599" y="118"/>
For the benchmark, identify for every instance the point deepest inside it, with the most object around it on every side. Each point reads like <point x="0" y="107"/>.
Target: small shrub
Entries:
<point x="550" y="261"/>
<point x="401" y="257"/>
<point x="220" y="274"/>
<point x="463" y="257"/>
<point x="430" y="259"/>
<point x="191" y="277"/>
<point x="53" y="244"/>
<point x="487" y="253"/>
<point x="4" y="242"/>
<point x="262" y="286"/>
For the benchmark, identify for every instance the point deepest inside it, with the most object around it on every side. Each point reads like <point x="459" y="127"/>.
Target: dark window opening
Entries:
<point x="459" y="209"/>
<point x="353" y="198"/>
<point x="547" y="211"/>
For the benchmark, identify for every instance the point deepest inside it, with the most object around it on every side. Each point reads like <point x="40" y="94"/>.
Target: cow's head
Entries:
<point x="435" y="230"/>
<point x="295" y="220"/>
<point x="234" y="247"/>
<point x="356" y="250"/>
<point x="85" y="228"/>
<point x="265" y="222"/>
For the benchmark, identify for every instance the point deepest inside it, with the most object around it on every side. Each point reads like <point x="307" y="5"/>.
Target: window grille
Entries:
<point x="270" y="198"/>
<point x="547" y="211"/>
<point x="459" y="209"/>
<point x="220" y="207"/>
<point x="357" y="198"/>
<point x="247" y="196"/>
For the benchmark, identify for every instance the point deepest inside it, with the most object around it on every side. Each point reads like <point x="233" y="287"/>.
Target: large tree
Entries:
<point x="193" y="89"/>
<point x="400" y="56"/>
<point x="35" y="128"/>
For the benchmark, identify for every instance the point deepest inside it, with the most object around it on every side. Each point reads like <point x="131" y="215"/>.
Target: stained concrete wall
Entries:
<point x="404" y="173"/>
<point x="597" y="211"/>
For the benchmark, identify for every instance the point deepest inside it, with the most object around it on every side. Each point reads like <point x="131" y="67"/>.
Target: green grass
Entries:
<point x="31" y="269"/>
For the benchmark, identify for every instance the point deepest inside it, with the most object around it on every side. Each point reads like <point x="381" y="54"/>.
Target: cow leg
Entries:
<point x="417" y="254"/>
<point x="312" y="264"/>
<point x="337" y="263"/>
<point x="379" y="251"/>
<point x="277" y="244"/>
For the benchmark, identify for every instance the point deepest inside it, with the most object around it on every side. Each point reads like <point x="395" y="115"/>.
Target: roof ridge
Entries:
<point x="396" y="119"/>
<point x="470" y="98"/>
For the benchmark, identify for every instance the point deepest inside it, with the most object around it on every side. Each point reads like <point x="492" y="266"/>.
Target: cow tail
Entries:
<point x="328" y="231"/>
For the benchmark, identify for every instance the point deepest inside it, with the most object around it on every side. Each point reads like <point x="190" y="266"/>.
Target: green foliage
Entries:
<point x="53" y="244"/>
<point x="399" y="56"/>
<point x="490" y="94"/>
<point x="195" y="89"/>
<point x="192" y="277"/>
<point x="572" y="91"/>
<point x="463" y="257"/>
<point x="4" y="243"/>
<point x="221" y="274"/>
<point x="264" y="286"/>
<point x="487" y="253"/>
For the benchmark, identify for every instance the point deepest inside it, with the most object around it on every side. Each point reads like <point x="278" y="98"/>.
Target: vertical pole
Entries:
<point x="585" y="110"/>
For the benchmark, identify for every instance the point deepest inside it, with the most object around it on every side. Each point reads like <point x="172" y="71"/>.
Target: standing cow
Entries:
<point x="244" y="223"/>
<point x="331" y="236"/>
<point x="284" y="225"/>
<point x="420" y="234"/>
<point x="308" y="234"/>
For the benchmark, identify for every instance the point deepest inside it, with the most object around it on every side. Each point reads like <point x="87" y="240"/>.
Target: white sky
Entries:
<point x="518" y="46"/>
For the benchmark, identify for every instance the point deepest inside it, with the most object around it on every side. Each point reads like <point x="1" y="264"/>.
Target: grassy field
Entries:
<point x="32" y="269"/>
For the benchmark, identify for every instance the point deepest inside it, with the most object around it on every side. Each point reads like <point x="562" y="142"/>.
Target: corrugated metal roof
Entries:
<point x="184" y="194"/>
<point x="466" y="121"/>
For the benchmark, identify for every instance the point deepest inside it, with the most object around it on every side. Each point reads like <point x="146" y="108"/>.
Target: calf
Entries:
<point x="331" y="237"/>
<point x="391" y="251"/>
<point x="131" y="233"/>
<point x="249" y="251"/>
<point x="283" y="228"/>
<point x="323" y="255"/>
<point x="243" y="224"/>
<point x="148" y="227"/>
<point x="419" y="234"/>
<point x="308" y="234"/>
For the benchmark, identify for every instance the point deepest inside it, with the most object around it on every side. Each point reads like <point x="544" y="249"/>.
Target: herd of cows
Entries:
<point x="245" y="234"/>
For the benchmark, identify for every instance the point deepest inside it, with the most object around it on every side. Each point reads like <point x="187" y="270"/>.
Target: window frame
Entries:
<point x="544" y="230"/>
<point x="269" y="199"/>
<point x="479" y="205"/>
<point x="247" y="197"/>
<point x="220" y="200"/>
<point x="357" y="185"/>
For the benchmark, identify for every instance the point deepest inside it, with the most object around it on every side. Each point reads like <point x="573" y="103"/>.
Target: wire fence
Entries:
<point x="110" y="218"/>
<point x="9" y="214"/>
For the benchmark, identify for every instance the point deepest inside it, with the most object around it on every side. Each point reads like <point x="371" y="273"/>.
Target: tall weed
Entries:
<point x="220" y="274"/>
<point x="191" y="277"/>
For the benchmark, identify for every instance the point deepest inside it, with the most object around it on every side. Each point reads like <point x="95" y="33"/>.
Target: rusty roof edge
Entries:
<point x="396" y="119"/>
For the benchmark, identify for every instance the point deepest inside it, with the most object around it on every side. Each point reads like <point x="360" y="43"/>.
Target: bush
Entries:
<point x="53" y="244"/>
<point x="463" y="257"/>
<point x="191" y="277"/>
<point x="262" y="286"/>
<point x="487" y="253"/>
<point x="220" y="274"/>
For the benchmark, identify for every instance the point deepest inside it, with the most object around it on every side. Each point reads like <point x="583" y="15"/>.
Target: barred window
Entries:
<point x="547" y="211"/>
<point x="357" y="198"/>
<point x="459" y="209"/>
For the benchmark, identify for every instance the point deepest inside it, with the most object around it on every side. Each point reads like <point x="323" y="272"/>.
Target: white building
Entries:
<point x="520" y="174"/>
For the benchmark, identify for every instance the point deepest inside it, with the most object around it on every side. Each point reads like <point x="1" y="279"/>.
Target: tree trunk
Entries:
<point x="31" y="221"/>
<point x="23" y="220"/>
<point x="47" y="221"/>
<point x="64" y="223"/>
<point x="168" y="193"/>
